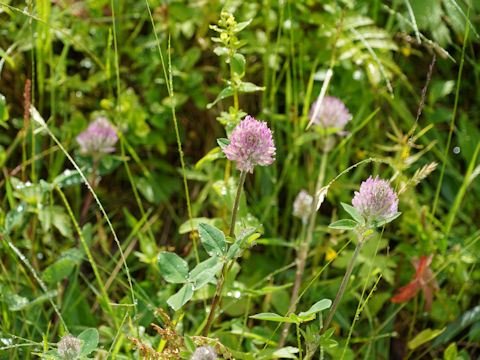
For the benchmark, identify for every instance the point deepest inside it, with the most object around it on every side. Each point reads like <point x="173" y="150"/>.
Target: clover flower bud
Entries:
<point x="204" y="353"/>
<point x="251" y="144"/>
<point x="69" y="347"/>
<point x="302" y="206"/>
<point x="376" y="199"/>
<point x="332" y="114"/>
<point x="98" y="138"/>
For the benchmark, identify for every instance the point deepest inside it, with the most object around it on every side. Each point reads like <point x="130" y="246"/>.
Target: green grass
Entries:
<point x="152" y="68"/>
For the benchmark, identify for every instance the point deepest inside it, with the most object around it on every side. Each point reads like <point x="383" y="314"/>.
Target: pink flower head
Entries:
<point x="98" y="138"/>
<point x="69" y="347"/>
<point x="376" y="199"/>
<point x="332" y="113"/>
<point x="302" y="206"/>
<point x="251" y="144"/>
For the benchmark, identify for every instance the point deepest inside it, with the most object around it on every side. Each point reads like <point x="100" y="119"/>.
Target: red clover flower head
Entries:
<point x="69" y="347"/>
<point x="302" y="206"/>
<point x="332" y="113"/>
<point x="251" y="144"/>
<point x="376" y="199"/>
<point x="204" y="353"/>
<point x="98" y="138"/>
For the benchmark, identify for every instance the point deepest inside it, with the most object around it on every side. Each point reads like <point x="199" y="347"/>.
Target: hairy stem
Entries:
<point x="221" y="281"/>
<point x="243" y="175"/>
<point x="343" y="286"/>
<point x="304" y="246"/>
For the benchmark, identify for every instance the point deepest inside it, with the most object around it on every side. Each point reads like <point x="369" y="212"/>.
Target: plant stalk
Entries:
<point x="304" y="246"/>
<point x="221" y="281"/>
<point x="343" y="286"/>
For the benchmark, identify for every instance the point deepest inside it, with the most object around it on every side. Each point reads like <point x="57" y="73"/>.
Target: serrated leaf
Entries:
<point x="227" y="92"/>
<point x="173" y="268"/>
<point x="345" y="224"/>
<point x="176" y="301"/>
<point x="204" y="272"/>
<point x="213" y="240"/>
<point x="90" y="341"/>
<point x="423" y="337"/>
<point x="238" y="63"/>
<point x="353" y="213"/>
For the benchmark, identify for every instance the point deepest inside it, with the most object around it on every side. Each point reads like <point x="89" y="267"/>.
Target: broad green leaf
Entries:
<point x="423" y="337"/>
<point x="221" y="50"/>
<point x="17" y="303"/>
<point x="345" y="224"/>
<point x="204" y="272"/>
<point x="353" y="213"/>
<point x="189" y="226"/>
<point x="15" y="217"/>
<point x="222" y="142"/>
<point x="227" y="92"/>
<point x="287" y="352"/>
<point x="468" y="318"/>
<point x="173" y="268"/>
<point x="176" y="301"/>
<point x="386" y="221"/>
<point x="249" y="87"/>
<point x="68" y="178"/>
<point x="63" y="267"/>
<point x="90" y="341"/>
<point x="317" y="307"/>
<point x="242" y="25"/>
<point x="450" y="352"/>
<point x="238" y="63"/>
<point x="213" y="239"/>
<point x="272" y="317"/>
<point x="234" y="251"/>
<point x="55" y="215"/>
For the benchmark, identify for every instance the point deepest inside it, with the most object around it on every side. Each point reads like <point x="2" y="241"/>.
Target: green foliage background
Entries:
<point x="102" y="58"/>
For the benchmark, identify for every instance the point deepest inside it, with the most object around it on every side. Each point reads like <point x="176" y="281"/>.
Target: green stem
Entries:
<point x="299" y="342"/>
<point x="234" y="87"/>
<point x="243" y="175"/>
<point x="343" y="286"/>
<point x="304" y="246"/>
<point x="221" y="281"/>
